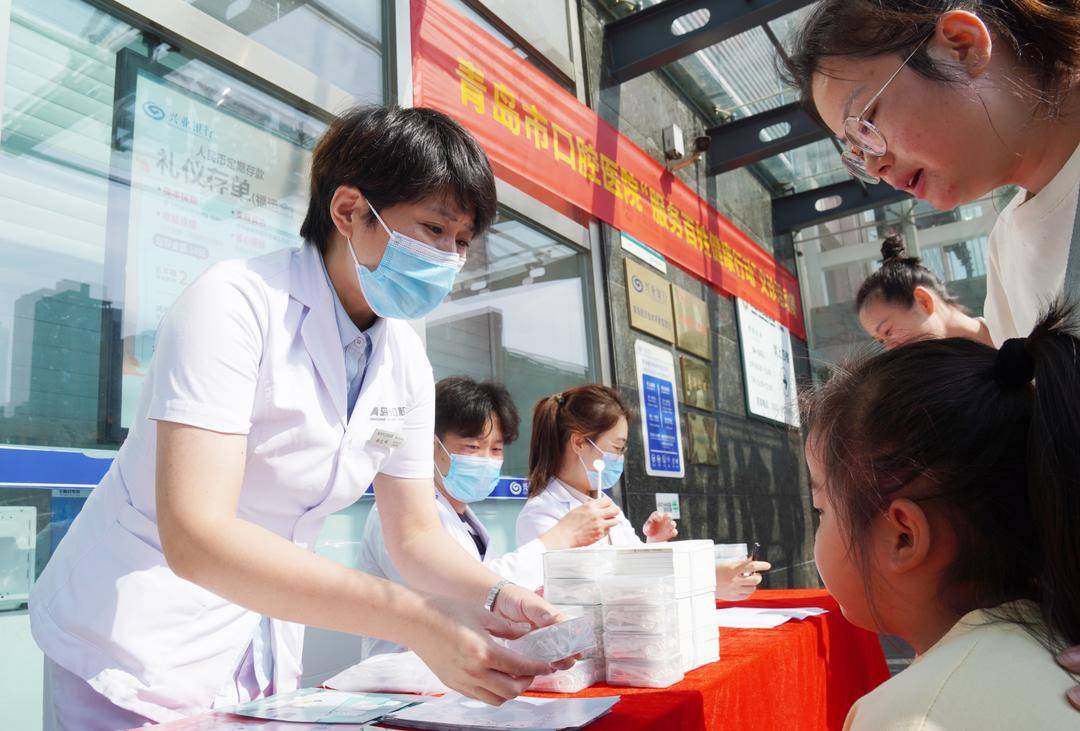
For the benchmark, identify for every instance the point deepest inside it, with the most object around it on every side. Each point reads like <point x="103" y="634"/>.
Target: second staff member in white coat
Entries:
<point x="474" y="423"/>
<point x="577" y="451"/>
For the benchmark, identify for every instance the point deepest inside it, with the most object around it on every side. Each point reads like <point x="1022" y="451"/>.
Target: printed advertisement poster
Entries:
<point x="768" y="366"/>
<point x="660" y="429"/>
<point x="206" y="186"/>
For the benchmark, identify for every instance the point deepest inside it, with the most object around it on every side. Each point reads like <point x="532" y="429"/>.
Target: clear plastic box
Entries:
<point x="652" y="618"/>
<point x="556" y="641"/>
<point x="644" y="673"/>
<point x="572" y="591"/>
<point x="638" y="590"/>
<point x="596" y="652"/>
<point x="643" y="646"/>
<point x="592" y="611"/>
<point x="579" y="563"/>
<point x="572" y="680"/>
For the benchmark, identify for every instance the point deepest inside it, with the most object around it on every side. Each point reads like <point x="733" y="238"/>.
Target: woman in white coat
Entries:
<point x="281" y="387"/>
<point x="474" y="423"/>
<point x="577" y="451"/>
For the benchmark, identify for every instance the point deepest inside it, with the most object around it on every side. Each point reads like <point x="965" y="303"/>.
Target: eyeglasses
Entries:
<point x="865" y="137"/>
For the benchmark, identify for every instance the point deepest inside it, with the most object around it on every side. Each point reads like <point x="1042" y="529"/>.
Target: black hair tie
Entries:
<point x="560" y="399"/>
<point x="1014" y="365"/>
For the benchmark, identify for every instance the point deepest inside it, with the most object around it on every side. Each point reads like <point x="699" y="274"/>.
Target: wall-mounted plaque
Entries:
<point x="697" y="383"/>
<point x="702" y="439"/>
<point x="692" y="331"/>
<point x="649" y="296"/>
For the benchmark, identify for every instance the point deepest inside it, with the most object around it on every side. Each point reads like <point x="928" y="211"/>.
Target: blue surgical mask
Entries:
<point x="412" y="278"/>
<point x="609" y="467"/>
<point x="470" y="479"/>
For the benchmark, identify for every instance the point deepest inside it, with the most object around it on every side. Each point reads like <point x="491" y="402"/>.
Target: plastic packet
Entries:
<point x="572" y="591"/>
<point x="556" y="641"/>
<point x="652" y="618"/>
<point x="592" y="611"/>
<point x="579" y="563"/>
<point x="644" y="673"/>
<point x="649" y="589"/>
<point x="578" y="678"/>
<point x="641" y="646"/>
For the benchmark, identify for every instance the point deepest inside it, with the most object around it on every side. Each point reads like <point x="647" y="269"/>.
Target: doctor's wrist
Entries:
<point x="557" y="538"/>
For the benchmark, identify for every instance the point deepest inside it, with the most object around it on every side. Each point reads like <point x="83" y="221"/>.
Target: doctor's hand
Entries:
<point x="659" y="527"/>
<point x="584" y="525"/>
<point x="456" y="644"/>
<point x="737" y="579"/>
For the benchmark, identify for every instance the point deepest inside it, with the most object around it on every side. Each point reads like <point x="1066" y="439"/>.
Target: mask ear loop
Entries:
<point x="436" y="464"/>
<point x="379" y="218"/>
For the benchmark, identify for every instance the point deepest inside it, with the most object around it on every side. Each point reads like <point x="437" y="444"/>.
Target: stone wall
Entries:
<point x="759" y="490"/>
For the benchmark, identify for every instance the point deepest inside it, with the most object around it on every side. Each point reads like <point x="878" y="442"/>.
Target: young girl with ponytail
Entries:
<point x="577" y="451"/>
<point x="950" y="99"/>
<point x="946" y="478"/>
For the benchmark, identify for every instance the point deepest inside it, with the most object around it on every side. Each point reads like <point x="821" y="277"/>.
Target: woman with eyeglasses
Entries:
<point x="950" y="99"/>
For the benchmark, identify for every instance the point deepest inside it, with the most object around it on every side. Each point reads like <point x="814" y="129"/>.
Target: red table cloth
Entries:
<point x="804" y="674"/>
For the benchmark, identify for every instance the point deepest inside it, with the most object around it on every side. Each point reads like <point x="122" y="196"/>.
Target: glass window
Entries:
<point x="122" y="178"/>
<point x="534" y="59"/>
<point x="126" y="169"/>
<point x="339" y="41"/>
<point x="943" y="240"/>
<point x="519" y="315"/>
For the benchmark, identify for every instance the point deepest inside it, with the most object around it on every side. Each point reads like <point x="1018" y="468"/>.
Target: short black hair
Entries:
<point x="464" y="406"/>
<point x="394" y="155"/>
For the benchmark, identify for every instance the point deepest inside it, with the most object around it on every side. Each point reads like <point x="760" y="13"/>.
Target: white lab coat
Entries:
<point x="251" y="347"/>
<point x="541" y="512"/>
<point x="524" y="566"/>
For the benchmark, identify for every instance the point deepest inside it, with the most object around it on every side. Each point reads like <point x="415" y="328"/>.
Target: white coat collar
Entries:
<point x="309" y="285"/>
<point x="562" y="492"/>
<point x="469" y="515"/>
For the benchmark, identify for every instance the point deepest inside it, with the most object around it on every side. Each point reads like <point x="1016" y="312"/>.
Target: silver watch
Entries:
<point x="493" y="594"/>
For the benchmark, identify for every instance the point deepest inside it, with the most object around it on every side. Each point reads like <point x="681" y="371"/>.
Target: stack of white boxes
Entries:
<point x="653" y="607"/>
<point x="571" y="584"/>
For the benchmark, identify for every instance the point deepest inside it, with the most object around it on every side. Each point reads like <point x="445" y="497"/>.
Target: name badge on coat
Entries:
<point x="388" y="439"/>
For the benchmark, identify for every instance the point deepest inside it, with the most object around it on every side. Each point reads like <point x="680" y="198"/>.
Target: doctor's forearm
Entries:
<point x="425" y="555"/>
<point x="268" y="574"/>
<point x="431" y="560"/>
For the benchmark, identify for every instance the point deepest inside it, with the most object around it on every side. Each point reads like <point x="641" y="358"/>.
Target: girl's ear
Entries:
<point x="908" y="536"/>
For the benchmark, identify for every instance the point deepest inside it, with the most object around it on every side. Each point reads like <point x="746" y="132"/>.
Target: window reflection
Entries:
<point x="518" y="315"/>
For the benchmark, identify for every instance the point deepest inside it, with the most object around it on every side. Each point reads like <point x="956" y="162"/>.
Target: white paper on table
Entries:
<point x="762" y="618"/>
<point x="395" y="672"/>
<point x="457" y="711"/>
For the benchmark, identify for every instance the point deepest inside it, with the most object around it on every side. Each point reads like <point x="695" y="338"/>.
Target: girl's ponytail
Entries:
<point x="1052" y="355"/>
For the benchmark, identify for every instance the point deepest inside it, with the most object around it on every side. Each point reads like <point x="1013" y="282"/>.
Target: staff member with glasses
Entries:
<point x="957" y="98"/>
<point x="281" y="387"/>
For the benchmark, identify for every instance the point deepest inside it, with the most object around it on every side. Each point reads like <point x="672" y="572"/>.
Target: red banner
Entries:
<point x="540" y="138"/>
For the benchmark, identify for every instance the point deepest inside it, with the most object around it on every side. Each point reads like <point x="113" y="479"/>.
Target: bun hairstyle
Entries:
<point x="1043" y="35"/>
<point x="590" y="410"/>
<point x="895" y="281"/>
<point x="987" y="439"/>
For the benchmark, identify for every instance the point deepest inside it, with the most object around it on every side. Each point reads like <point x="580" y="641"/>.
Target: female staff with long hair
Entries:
<point x="577" y="451"/>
